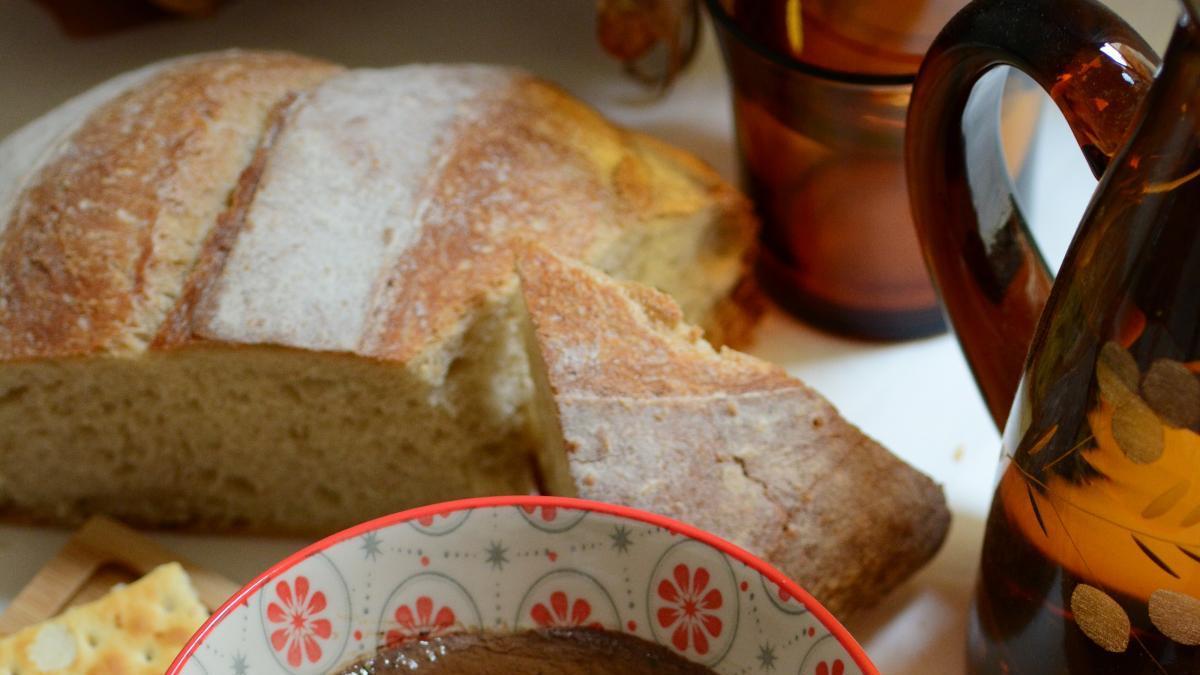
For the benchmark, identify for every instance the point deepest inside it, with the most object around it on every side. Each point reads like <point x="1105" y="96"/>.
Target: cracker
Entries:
<point x="133" y="630"/>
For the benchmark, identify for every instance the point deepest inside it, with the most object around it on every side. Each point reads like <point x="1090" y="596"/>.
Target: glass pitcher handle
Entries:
<point x="991" y="276"/>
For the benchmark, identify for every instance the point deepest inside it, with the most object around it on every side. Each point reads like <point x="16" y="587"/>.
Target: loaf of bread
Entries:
<point x="633" y="407"/>
<point x="133" y="630"/>
<point x="259" y="291"/>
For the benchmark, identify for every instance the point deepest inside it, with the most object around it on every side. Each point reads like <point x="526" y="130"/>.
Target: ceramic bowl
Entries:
<point x="514" y="563"/>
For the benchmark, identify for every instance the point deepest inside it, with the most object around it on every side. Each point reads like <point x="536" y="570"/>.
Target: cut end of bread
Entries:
<point x="260" y="439"/>
<point x="633" y="407"/>
<point x="133" y="630"/>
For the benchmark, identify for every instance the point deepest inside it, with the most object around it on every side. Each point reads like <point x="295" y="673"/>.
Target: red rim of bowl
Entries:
<point x="835" y="627"/>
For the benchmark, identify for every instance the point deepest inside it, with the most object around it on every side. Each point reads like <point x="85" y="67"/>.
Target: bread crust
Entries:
<point x="178" y="329"/>
<point x="649" y="415"/>
<point x="599" y="343"/>
<point x="100" y="241"/>
<point x="106" y="253"/>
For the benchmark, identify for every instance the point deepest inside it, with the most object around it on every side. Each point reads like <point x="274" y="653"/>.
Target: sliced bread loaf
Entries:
<point x="258" y="291"/>
<point x="635" y="408"/>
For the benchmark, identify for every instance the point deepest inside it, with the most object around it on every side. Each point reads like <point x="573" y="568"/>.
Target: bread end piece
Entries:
<point x="635" y="408"/>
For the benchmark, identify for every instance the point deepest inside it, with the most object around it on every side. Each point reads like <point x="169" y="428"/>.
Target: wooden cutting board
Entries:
<point x="102" y="553"/>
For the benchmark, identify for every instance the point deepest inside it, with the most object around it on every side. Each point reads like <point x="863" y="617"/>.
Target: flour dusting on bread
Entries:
<point x="258" y="291"/>
<point x="634" y="408"/>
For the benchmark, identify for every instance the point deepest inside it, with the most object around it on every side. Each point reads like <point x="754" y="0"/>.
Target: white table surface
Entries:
<point x="917" y="397"/>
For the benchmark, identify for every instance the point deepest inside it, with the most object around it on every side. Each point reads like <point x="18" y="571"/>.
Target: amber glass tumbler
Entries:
<point x="822" y="156"/>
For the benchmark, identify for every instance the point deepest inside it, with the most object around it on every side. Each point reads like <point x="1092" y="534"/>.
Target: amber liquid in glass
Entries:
<point x="869" y="37"/>
<point x="1023" y="620"/>
<point x="1091" y="555"/>
<point x="822" y="156"/>
<point x="1091" y="559"/>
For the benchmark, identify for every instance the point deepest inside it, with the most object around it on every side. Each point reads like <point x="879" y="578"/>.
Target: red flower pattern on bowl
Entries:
<point x="837" y="668"/>
<point x="425" y="623"/>
<point x="690" y="609"/>
<point x="427" y="521"/>
<point x="563" y="614"/>
<point x="301" y="631"/>
<point x="549" y="513"/>
<point x="689" y="578"/>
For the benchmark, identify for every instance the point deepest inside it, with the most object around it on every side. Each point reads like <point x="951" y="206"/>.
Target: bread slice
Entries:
<point x="256" y="291"/>
<point x="133" y="630"/>
<point x="635" y="408"/>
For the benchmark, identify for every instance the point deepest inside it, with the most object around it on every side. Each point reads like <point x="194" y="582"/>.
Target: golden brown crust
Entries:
<point x="177" y="328"/>
<point x="537" y="178"/>
<point x="85" y="243"/>
<point x="529" y="160"/>
<point x="555" y="172"/>
<point x="732" y="321"/>
<point x="601" y="338"/>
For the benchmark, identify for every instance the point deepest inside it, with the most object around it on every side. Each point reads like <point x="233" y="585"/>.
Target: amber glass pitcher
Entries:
<point x="1091" y="557"/>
